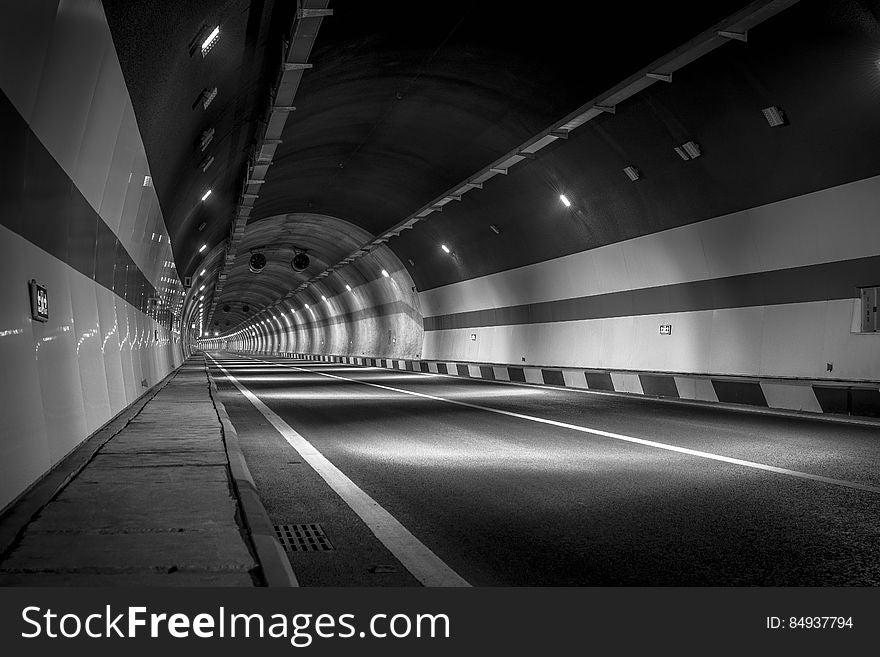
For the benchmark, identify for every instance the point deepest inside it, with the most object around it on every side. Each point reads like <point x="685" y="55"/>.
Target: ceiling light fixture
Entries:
<point x="203" y="247"/>
<point x="444" y="247"/>
<point x="565" y="201"/>
<point x="775" y="116"/>
<point x="208" y="97"/>
<point x="632" y="173"/>
<point x="688" y="151"/>
<point x="210" y="40"/>
<point x="202" y="273"/>
<point x="385" y="273"/>
<point x="206" y="195"/>
<point x="348" y="287"/>
<point x="206" y="138"/>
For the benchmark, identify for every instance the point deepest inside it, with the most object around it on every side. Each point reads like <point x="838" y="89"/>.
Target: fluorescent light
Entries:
<point x="565" y="201"/>
<point x="203" y="247"/>
<point x="201" y="288"/>
<point x="210" y="40"/>
<point x="323" y="298"/>
<point x="444" y="247"/>
<point x="348" y="287"/>
<point x="201" y="298"/>
<point x="202" y="273"/>
<point x="774" y="115"/>
<point x="307" y="306"/>
<point x="207" y="97"/>
<point x="207" y="194"/>
<point x="688" y="151"/>
<point x="385" y="273"/>
<point x="207" y="137"/>
<point x="632" y="173"/>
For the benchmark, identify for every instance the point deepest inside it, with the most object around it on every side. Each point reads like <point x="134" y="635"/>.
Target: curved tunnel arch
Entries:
<point x="378" y="315"/>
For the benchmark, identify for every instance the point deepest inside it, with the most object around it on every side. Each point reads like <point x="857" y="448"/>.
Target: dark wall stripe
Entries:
<point x="866" y="402"/>
<point x="462" y="369"/>
<point x="599" y="381"/>
<point x="487" y="372"/>
<point x="39" y="202"/>
<point x="658" y="385"/>
<point x="553" y="377"/>
<point x="827" y="281"/>
<point x="516" y="374"/>
<point x="833" y="399"/>
<point x="349" y="317"/>
<point x="739" y="392"/>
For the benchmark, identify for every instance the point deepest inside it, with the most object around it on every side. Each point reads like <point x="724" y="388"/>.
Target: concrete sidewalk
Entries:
<point x="155" y="505"/>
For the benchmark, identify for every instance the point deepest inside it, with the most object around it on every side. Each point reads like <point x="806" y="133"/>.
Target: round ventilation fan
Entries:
<point x="257" y="262"/>
<point x="300" y="262"/>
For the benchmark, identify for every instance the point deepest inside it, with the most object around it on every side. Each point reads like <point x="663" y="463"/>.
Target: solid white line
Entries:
<point x="415" y="556"/>
<point x="599" y="432"/>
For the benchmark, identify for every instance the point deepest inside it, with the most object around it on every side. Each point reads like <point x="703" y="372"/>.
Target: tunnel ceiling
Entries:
<point x="817" y="61"/>
<point x="404" y="99"/>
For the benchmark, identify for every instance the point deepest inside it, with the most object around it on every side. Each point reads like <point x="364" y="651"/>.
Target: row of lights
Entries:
<point x="205" y="40"/>
<point x="385" y="274"/>
<point x="689" y="150"/>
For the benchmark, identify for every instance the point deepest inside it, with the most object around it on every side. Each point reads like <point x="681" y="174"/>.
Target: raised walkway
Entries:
<point x="149" y="500"/>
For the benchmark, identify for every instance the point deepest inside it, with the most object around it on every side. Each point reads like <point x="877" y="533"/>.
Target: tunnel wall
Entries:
<point x="78" y="218"/>
<point x="766" y="292"/>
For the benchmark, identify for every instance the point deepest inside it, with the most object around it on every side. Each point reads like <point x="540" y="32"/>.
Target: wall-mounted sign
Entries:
<point x="473" y="336"/>
<point x="39" y="301"/>
<point x="666" y="329"/>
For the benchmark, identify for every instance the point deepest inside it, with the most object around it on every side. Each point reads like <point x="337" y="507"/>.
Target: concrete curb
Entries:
<point x="274" y="563"/>
<point x="17" y="515"/>
<point x="783" y="398"/>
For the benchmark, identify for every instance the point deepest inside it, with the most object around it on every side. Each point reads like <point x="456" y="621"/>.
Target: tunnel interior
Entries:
<point x="497" y="199"/>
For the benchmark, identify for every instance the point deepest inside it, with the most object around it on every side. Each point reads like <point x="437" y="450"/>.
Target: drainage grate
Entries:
<point x="303" y="538"/>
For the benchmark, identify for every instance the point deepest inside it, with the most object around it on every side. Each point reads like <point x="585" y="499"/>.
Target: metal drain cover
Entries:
<point x="303" y="538"/>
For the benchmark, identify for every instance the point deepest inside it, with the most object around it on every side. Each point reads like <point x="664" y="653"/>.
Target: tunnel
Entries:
<point x="474" y="294"/>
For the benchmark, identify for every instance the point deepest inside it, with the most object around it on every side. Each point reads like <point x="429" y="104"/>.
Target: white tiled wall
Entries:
<point x="784" y="340"/>
<point x="59" y="68"/>
<point x="65" y="378"/>
<point x="790" y="340"/>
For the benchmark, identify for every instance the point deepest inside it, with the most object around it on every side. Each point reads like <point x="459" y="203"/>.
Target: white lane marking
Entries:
<point x="598" y="432"/>
<point x="415" y="556"/>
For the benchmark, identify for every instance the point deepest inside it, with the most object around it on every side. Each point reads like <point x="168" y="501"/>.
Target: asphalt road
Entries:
<point x="518" y="485"/>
